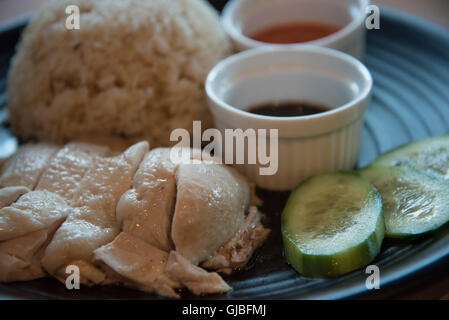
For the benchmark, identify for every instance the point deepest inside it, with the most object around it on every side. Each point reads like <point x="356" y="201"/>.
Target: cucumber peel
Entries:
<point x="332" y="224"/>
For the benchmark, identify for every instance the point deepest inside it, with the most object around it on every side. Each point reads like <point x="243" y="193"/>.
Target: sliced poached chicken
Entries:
<point x="136" y="219"/>
<point x="26" y="227"/>
<point x="146" y="210"/>
<point x="138" y="264"/>
<point x="68" y="167"/>
<point x="210" y="208"/>
<point x="25" y="166"/>
<point x="93" y="223"/>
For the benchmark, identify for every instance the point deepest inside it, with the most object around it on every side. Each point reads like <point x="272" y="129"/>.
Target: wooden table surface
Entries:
<point x="437" y="11"/>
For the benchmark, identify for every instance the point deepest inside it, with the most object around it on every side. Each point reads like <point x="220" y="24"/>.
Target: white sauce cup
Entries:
<point x="307" y="145"/>
<point x="242" y="18"/>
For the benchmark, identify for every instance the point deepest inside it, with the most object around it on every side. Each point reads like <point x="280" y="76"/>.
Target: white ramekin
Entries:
<point x="241" y="18"/>
<point x="307" y="145"/>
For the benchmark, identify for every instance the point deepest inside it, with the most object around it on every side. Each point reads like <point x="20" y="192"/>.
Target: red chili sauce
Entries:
<point x="294" y="32"/>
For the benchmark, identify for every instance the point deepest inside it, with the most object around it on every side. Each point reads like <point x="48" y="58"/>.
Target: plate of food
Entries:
<point x="102" y="197"/>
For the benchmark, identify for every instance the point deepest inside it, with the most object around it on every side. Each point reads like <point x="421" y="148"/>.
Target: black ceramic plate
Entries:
<point x="409" y="60"/>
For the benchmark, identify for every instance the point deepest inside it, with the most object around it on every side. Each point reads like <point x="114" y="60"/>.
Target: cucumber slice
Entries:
<point x="414" y="202"/>
<point x="431" y="155"/>
<point x="332" y="224"/>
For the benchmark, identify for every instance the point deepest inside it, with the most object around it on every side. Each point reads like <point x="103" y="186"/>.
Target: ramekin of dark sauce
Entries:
<point x="311" y="99"/>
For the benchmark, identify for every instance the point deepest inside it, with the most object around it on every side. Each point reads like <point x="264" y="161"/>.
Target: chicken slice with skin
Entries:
<point x="25" y="166"/>
<point x="68" y="166"/>
<point x="33" y="211"/>
<point x="210" y="208"/>
<point x="20" y="258"/>
<point x="26" y="227"/>
<point x="141" y="265"/>
<point x="93" y="224"/>
<point x="196" y="279"/>
<point x="146" y="210"/>
<point x="10" y="194"/>
<point x="138" y="264"/>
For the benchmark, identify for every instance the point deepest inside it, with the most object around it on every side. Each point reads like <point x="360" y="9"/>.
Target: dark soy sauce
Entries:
<point x="288" y="109"/>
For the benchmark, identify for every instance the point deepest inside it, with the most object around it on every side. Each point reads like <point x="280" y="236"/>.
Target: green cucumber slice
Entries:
<point x="414" y="202"/>
<point x="431" y="155"/>
<point x="332" y="224"/>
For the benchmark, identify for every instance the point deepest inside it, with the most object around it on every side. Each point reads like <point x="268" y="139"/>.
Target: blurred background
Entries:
<point x="434" y="10"/>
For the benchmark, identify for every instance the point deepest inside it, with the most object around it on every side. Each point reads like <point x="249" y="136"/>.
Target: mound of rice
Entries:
<point x="134" y="70"/>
